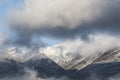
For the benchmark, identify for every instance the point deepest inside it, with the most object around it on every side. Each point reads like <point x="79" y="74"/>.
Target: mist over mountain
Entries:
<point x="43" y="68"/>
<point x="59" y="39"/>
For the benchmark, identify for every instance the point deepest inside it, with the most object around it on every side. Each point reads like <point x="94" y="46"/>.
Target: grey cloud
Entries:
<point x="65" y="18"/>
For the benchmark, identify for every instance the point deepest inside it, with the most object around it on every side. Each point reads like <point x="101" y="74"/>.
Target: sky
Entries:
<point x="5" y="6"/>
<point x="60" y="24"/>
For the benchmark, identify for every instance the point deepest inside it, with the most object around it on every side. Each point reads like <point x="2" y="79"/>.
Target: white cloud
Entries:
<point x="69" y="52"/>
<point x="61" y="13"/>
<point x="77" y="50"/>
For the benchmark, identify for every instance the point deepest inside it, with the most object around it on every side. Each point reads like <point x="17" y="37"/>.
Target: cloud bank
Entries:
<point x="65" y="18"/>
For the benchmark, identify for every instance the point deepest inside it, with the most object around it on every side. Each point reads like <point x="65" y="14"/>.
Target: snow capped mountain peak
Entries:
<point x="78" y="53"/>
<point x="66" y="61"/>
<point x="20" y="54"/>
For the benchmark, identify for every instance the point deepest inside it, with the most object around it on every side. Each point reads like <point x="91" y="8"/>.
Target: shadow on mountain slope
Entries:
<point x="46" y="68"/>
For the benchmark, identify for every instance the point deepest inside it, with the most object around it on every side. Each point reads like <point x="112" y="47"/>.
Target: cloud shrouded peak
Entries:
<point x="79" y="53"/>
<point x="65" y="18"/>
